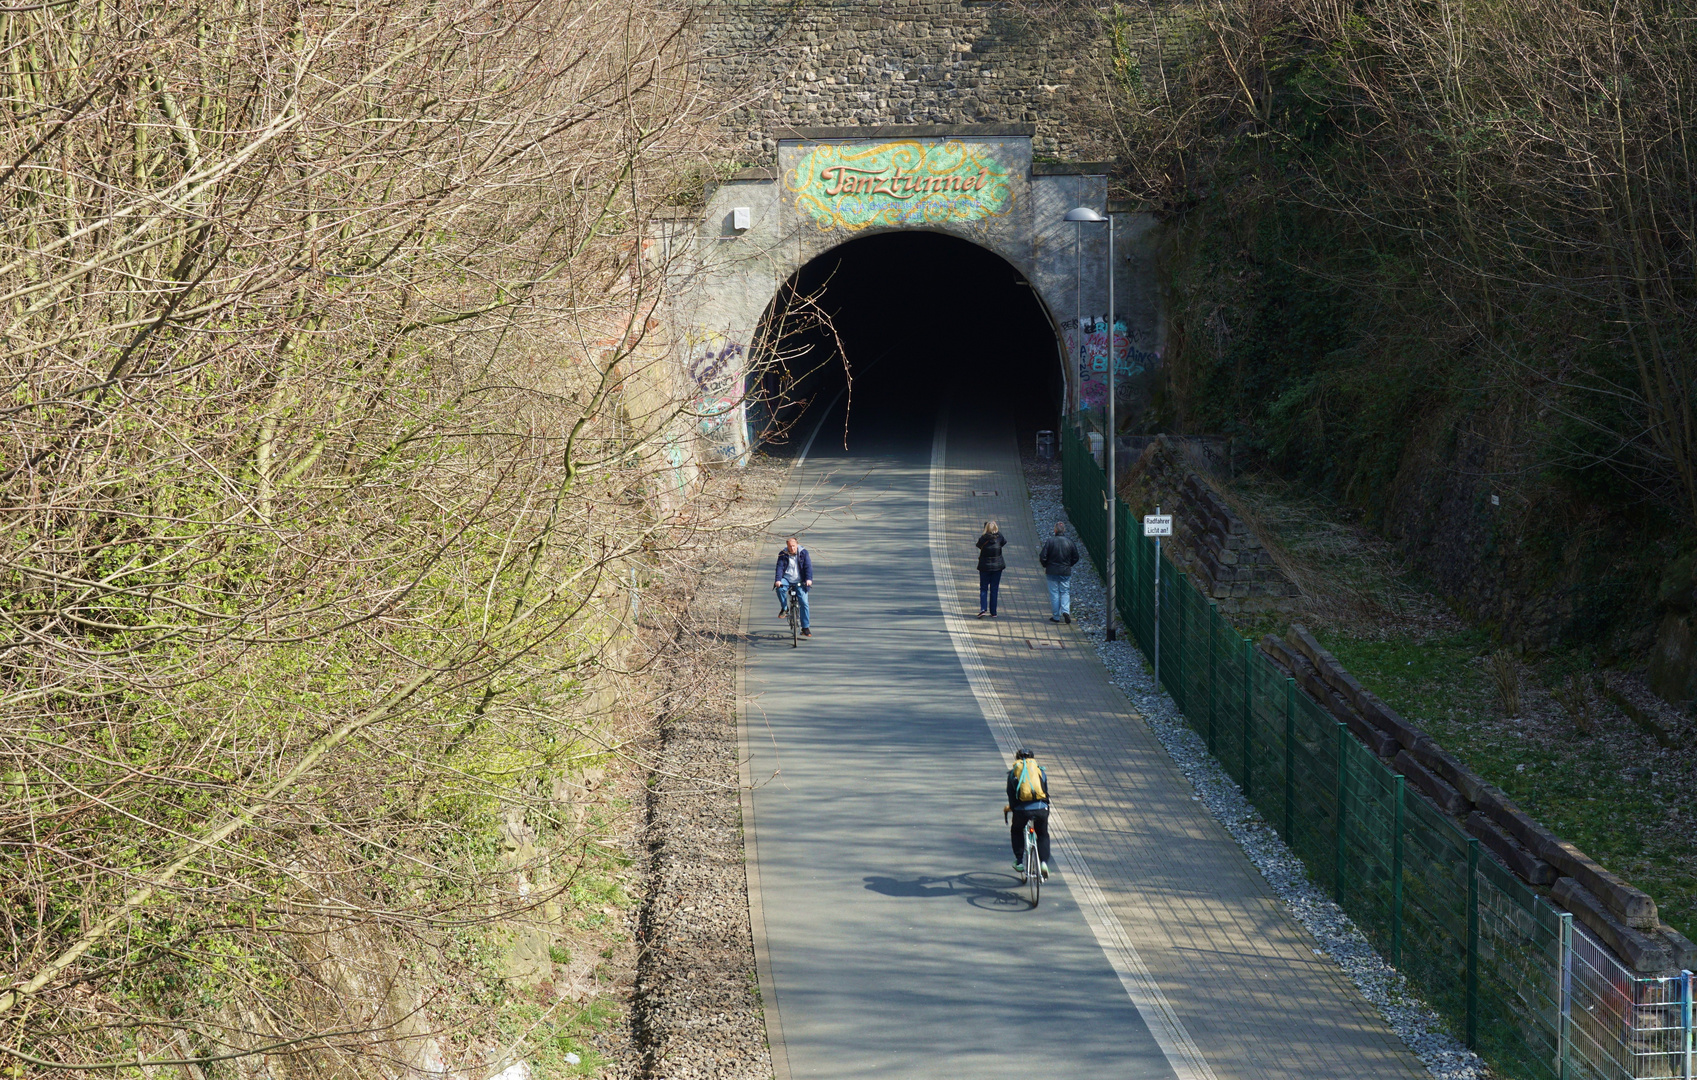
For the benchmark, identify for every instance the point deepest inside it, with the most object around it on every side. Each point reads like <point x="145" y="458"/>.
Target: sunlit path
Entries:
<point x="895" y="940"/>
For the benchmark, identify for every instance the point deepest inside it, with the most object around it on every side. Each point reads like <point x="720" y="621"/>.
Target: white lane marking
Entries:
<point x="817" y="428"/>
<point x="820" y="426"/>
<point x="1164" y="1024"/>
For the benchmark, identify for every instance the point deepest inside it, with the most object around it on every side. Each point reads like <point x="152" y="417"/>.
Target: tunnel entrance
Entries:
<point x="888" y="326"/>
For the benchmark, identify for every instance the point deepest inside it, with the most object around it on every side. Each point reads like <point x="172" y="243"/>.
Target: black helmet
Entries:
<point x="1023" y="753"/>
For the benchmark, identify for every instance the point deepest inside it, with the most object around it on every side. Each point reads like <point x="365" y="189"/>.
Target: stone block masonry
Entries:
<point x="841" y="63"/>
<point x="1023" y="87"/>
<point x="1224" y="557"/>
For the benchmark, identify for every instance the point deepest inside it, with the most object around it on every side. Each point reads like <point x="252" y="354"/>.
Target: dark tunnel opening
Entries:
<point x="916" y="318"/>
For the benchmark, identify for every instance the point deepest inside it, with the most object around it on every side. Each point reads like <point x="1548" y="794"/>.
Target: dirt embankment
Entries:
<point x="696" y="1010"/>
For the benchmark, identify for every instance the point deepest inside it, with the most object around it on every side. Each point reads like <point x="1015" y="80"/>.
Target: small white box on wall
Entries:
<point x="741" y="218"/>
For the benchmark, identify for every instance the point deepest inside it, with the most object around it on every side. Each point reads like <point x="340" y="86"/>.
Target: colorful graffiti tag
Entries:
<point x="900" y="183"/>
<point x="713" y="364"/>
<point x="1092" y="358"/>
<point x="677" y="459"/>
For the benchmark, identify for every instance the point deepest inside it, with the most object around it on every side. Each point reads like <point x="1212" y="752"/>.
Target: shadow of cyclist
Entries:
<point x="991" y="892"/>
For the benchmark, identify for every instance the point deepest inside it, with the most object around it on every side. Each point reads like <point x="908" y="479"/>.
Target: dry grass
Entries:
<point x="1505" y="674"/>
<point x="1349" y="580"/>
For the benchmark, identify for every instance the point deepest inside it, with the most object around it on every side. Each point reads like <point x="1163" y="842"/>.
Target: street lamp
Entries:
<point x="1080" y="215"/>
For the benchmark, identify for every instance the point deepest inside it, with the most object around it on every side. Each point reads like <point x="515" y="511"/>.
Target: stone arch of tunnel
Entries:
<point x="900" y="319"/>
<point x="833" y="195"/>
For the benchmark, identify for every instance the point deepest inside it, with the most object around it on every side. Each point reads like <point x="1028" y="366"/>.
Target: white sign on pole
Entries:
<point x="1157" y="524"/>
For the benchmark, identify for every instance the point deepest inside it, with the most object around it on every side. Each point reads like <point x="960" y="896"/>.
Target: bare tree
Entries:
<point x="1515" y="180"/>
<point x="324" y="327"/>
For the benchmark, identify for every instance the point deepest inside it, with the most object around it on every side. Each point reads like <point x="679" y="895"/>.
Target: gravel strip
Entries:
<point x="1414" y="1022"/>
<point x="696" y="1008"/>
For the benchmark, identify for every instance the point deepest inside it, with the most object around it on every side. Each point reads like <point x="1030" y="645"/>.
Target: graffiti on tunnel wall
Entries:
<point x="677" y="460"/>
<point x="1087" y="344"/>
<point x="901" y="183"/>
<point x="713" y="363"/>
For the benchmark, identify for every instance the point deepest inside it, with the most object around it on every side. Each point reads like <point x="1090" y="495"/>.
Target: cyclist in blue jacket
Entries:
<point x="795" y="567"/>
<point x="1028" y="798"/>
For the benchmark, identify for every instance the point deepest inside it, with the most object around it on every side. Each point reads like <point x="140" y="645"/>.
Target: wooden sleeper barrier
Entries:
<point x="1621" y="916"/>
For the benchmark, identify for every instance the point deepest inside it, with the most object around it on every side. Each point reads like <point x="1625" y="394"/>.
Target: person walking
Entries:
<point x="990" y="567"/>
<point x="795" y="567"/>
<point x="1059" y="556"/>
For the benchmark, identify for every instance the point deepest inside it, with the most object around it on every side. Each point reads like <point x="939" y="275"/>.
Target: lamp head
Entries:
<point x="1084" y="213"/>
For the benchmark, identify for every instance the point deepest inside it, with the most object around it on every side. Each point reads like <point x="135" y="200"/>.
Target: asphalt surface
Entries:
<point x="898" y="938"/>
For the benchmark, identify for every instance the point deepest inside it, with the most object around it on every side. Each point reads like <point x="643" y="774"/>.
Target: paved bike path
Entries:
<point x="1243" y="980"/>
<point x="893" y="939"/>
<point x="898" y="939"/>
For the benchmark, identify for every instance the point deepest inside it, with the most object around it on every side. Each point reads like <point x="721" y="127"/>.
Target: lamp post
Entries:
<point x="1078" y="288"/>
<point x="1083" y="214"/>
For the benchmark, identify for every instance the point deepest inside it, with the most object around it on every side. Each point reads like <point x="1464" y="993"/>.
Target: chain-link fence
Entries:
<point x="1535" y="997"/>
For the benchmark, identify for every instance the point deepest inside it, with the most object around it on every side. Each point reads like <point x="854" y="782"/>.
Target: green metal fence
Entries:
<point x="1531" y="996"/>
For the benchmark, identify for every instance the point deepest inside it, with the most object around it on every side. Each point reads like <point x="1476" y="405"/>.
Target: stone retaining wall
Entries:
<point x="1223" y="556"/>
<point x="876" y="62"/>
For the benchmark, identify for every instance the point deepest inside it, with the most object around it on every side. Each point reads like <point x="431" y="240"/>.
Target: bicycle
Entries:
<point x="1033" y="865"/>
<point x="794" y="609"/>
<point x="1032" y="876"/>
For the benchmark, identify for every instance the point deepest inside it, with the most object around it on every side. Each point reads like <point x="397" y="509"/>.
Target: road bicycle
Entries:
<point x="1033" y="865"/>
<point x="1032" y="876"/>
<point x="794" y="609"/>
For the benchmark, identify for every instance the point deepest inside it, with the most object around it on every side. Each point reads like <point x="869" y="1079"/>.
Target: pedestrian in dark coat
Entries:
<point x="1059" y="556"/>
<point x="990" y="567"/>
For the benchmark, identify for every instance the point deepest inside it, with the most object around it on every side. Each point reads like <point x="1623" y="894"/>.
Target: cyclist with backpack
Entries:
<point x="1028" y="798"/>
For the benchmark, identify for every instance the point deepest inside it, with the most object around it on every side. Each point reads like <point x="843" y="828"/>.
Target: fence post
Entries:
<point x="1213" y="667"/>
<point x="1122" y="529"/>
<point x="1290" y="756"/>
<point x="1562" y="1033"/>
<point x="1248" y="722"/>
<point x="1685" y="1022"/>
<point x="1343" y="811"/>
<point x="1146" y="582"/>
<point x="1119" y="545"/>
<point x="1472" y="942"/>
<point x="1178" y="647"/>
<point x="1145" y="550"/>
<point x="1134" y="540"/>
<point x="1396" y="873"/>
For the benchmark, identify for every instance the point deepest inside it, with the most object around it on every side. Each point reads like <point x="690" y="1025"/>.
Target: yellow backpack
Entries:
<point x="1031" y="782"/>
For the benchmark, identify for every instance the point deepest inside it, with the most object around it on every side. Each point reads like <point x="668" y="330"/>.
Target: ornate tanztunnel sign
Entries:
<point x="900" y="183"/>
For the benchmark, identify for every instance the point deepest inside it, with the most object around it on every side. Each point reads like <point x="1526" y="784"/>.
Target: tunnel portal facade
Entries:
<point x="829" y="186"/>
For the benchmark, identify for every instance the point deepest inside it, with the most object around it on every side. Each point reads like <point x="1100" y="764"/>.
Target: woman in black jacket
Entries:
<point x="990" y="567"/>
